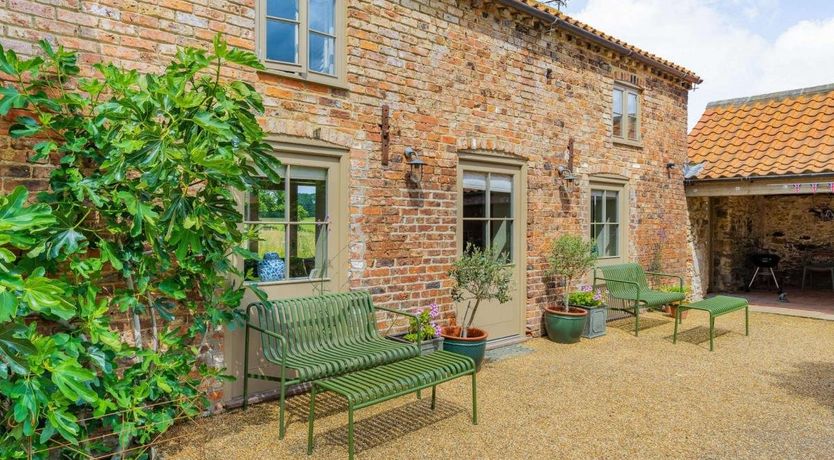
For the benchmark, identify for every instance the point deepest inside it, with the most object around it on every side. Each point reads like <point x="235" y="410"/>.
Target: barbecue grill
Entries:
<point x="765" y="264"/>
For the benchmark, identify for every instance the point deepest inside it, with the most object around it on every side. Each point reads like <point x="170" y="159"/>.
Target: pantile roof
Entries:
<point x="785" y="133"/>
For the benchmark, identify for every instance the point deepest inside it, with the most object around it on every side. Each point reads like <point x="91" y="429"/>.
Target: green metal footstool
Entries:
<point x="372" y="386"/>
<point x="715" y="306"/>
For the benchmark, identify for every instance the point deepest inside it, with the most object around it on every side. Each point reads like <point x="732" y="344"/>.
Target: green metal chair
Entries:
<point x="627" y="284"/>
<point x="312" y="338"/>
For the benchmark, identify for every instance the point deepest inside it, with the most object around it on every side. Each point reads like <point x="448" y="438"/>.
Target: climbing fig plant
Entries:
<point x="139" y="225"/>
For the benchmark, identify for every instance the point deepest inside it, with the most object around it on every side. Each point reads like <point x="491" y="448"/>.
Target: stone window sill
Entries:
<point x="627" y="142"/>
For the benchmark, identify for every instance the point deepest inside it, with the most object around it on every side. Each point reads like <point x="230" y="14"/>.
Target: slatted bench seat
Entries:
<point x="311" y="338"/>
<point x="372" y="386"/>
<point x="715" y="306"/>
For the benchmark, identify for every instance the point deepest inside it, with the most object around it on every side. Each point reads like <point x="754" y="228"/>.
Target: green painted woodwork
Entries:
<point x="372" y="386"/>
<point x="311" y="338"/>
<point x="626" y="284"/>
<point x="715" y="306"/>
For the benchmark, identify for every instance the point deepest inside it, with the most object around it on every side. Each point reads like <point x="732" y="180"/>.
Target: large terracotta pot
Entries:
<point x="473" y="346"/>
<point x="564" y="326"/>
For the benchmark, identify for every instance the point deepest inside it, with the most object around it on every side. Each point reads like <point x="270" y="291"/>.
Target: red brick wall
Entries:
<point x="456" y="77"/>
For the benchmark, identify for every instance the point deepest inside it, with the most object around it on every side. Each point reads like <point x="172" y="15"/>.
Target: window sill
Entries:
<point x="627" y="142"/>
<point x="283" y="282"/>
<point x="333" y="82"/>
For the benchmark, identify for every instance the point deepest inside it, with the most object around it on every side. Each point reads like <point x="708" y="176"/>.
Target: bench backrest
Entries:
<point x="316" y="322"/>
<point x="625" y="272"/>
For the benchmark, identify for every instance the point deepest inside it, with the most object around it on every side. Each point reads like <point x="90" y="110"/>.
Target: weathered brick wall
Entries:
<point x="456" y="77"/>
<point x="779" y="224"/>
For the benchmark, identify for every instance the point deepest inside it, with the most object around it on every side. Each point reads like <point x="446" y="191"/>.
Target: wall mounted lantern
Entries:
<point x="566" y="174"/>
<point x="415" y="175"/>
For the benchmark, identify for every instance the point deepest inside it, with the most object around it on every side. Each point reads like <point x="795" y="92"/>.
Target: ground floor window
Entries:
<point x="290" y="223"/>
<point x="605" y="222"/>
<point x="488" y="212"/>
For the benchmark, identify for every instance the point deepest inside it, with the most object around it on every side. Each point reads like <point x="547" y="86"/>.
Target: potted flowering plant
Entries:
<point x="671" y="309"/>
<point x="590" y="300"/>
<point x="425" y="329"/>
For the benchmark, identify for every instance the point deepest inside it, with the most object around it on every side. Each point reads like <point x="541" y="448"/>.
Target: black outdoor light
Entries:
<point x="415" y="164"/>
<point x="566" y="174"/>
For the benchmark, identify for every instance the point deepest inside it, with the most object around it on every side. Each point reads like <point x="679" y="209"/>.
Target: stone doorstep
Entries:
<point x="793" y="312"/>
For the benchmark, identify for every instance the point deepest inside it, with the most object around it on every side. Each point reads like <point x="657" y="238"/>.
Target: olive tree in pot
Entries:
<point x="480" y="275"/>
<point x="570" y="258"/>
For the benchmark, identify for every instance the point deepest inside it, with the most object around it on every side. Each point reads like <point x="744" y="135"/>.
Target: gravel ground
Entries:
<point x="770" y="395"/>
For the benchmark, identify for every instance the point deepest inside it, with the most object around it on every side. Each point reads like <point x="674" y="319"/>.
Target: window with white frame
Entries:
<point x="305" y="38"/>
<point x="625" y="116"/>
<point x="291" y="222"/>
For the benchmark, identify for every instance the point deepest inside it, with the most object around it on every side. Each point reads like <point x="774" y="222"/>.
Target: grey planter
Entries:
<point x="427" y="346"/>
<point x="595" y="322"/>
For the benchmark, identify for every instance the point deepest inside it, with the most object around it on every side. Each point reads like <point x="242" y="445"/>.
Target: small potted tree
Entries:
<point x="480" y="275"/>
<point x="426" y="329"/>
<point x="570" y="258"/>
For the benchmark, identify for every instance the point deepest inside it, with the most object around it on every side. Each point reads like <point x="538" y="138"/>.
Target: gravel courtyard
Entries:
<point x="770" y="395"/>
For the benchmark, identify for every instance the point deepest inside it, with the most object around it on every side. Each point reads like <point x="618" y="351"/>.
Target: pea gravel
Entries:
<point x="770" y="395"/>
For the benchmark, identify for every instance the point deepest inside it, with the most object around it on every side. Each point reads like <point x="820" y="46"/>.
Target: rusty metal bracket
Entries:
<point x="385" y="134"/>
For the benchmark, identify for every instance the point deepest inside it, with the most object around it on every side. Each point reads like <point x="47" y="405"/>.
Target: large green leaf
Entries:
<point x="14" y="347"/>
<point x="67" y="241"/>
<point x="73" y="381"/>
<point x="11" y="99"/>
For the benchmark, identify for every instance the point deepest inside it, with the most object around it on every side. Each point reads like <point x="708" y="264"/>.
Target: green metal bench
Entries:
<point x="373" y="386"/>
<point x="312" y="338"/>
<point x="715" y="306"/>
<point x="627" y="284"/>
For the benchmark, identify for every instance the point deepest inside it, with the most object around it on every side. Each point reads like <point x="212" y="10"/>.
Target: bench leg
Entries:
<point x="711" y="331"/>
<point x="677" y="320"/>
<point x="474" y="400"/>
<point x="282" y="429"/>
<point x="310" y="419"/>
<point x="419" y="394"/>
<point x="246" y="368"/>
<point x="433" y="396"/>
<point x="350" y="432"/>
<point x="637" y="321"/>
<point x="747" y="320"/>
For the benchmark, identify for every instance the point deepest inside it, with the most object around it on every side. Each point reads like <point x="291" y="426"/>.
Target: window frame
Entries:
<point x="625" y="124"/>
<point x="488" y="219"/>
<point x="316" y="154"/>
<point x="301" y="70"/>
<point x="605" y="223"/>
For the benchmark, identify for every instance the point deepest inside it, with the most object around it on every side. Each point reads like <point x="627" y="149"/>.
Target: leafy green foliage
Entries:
<point x="586" y="297"/>
<point x="424" y="327"/>
<point x="140" y="218"/>
<point x="479" y="275"/>
<point x="570" y="258"/>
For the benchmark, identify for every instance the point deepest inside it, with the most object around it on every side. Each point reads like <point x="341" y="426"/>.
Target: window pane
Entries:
<point x="612" y="206"/>
<point x="599" y="238"/>
<point x="287" y="9"/>
<point x="596" y="205"/>
<point x="500" y="195"/>
<point x="308" y="243"/>
<point x="270" y="248"/>
<point x="474" y="194"/>
<point x="281" y="41"/>
<point x="267" y="204"/>
<point x="632" y="104"/>
<point x="322" y="54"/>
<point x="322" y="16"/>
<point x="308" y="191"/>
<point x="474" y="233"/>
<point x="501" y="237"/>
<point x="617" y="115"/>
<point x="612" y="240"/>
<point x="632" y="128"/>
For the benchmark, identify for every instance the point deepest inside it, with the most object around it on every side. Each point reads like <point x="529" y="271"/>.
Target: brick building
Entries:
<point x="529" y="124"/>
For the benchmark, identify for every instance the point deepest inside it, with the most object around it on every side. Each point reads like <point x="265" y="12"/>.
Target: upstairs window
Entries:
<point x="625" y="114"/>
<point x="303" y="38"/>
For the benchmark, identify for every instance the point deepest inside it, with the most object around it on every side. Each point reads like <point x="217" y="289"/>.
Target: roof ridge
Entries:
<point x="773" y="96"/>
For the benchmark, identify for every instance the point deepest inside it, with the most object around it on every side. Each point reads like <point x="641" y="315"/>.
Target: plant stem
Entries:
<point x="471" y="317"/>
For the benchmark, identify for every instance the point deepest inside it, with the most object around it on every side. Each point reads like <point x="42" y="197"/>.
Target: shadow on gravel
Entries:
<point x="810" y="379"/>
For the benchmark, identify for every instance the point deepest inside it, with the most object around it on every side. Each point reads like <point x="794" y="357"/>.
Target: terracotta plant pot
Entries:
<point x="672" y="309"/>
<point x="564" y="326"/>
<point x="473" y="346"/>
